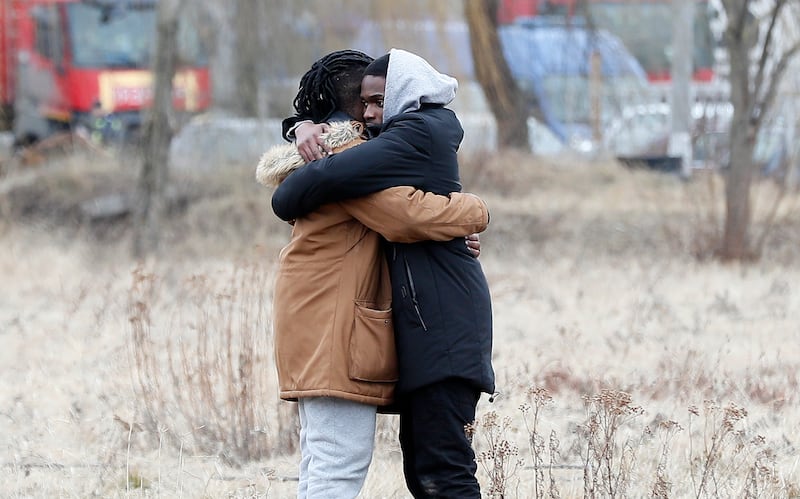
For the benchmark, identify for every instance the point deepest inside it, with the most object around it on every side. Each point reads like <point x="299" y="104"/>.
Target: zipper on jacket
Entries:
<point x="413" y="292"/>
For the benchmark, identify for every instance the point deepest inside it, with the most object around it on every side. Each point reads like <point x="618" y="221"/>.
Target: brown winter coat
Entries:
<point x="332" y="316"/>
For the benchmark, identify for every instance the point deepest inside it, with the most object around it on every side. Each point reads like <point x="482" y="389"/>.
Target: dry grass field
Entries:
<point x="629" y="363"/>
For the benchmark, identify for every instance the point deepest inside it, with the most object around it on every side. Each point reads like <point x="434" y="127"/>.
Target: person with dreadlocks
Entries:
<point x="440" y="297"/>
<point x="317" y="101"/>
<point x="332" y="316"/>
<point x="331" y="85"/>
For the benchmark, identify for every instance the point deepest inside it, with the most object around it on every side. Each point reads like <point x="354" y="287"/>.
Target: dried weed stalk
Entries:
<point x="501" y="458"/>
<point x="203" y="366"/>
<point x="720" y="436"/>
<point x="727" y="463"/>
<point x="537" y="399"/>
<point x="763" y="479"/>
<point x="608" y="462"/>
<point x="666" y="431"/>
<point x="731" y="463"/>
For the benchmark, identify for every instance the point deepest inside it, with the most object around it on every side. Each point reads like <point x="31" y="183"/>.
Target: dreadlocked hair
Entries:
<point x="332" y="83"/>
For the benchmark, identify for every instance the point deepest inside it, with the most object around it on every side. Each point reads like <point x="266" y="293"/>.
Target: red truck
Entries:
<point x="69" y="64"/>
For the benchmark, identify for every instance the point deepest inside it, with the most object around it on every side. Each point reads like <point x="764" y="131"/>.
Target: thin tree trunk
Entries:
<point x="735" y="238"/>
<point x="736" y="231"/>
<point x="735" y="244"/>
<point x="505" y="99"/>
<point x="151" y="199"/>
<point x="248" y="52"/>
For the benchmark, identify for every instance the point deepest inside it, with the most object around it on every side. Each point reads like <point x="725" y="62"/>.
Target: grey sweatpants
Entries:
<point x="336" y="441"/>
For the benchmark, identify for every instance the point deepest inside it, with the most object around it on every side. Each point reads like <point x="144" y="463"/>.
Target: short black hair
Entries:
<point x="378" y="67"/>
<point x="333" y="83"/>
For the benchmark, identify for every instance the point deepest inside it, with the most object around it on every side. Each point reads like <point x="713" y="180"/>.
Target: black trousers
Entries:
<point x="438" y="460"/>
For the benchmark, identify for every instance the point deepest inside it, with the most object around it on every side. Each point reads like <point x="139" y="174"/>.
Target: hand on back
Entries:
<point x="474" y="244"/>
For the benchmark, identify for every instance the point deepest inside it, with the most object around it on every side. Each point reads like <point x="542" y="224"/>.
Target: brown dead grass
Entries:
<point x="595" y="287"/>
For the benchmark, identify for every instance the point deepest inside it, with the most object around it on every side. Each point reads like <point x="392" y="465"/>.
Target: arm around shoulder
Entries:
<point x="388" y="160"/>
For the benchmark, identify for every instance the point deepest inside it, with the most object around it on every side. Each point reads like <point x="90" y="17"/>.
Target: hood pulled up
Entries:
<point x="411" y="82"/>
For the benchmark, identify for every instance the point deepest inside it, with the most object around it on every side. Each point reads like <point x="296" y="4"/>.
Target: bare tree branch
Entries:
<point x="768" y="99"/>
<point x="755" y="87"/>
<point x="766" y="49"/>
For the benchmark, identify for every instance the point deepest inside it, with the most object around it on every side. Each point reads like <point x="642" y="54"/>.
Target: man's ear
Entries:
<point x="359" y="128"/>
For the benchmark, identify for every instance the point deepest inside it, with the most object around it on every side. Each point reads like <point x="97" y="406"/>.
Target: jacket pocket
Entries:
<point x="373" y="356"/>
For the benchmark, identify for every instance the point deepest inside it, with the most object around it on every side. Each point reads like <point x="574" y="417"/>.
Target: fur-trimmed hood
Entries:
<point x="280" y="160"/>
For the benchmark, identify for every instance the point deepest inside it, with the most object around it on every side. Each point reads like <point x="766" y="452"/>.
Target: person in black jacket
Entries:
<point x="441" y="301"/>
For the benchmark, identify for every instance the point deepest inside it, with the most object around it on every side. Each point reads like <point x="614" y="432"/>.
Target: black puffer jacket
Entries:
<point x="441" y="301"/>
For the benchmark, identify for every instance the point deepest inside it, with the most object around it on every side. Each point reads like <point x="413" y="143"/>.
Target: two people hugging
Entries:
<point x="380" y="301"/>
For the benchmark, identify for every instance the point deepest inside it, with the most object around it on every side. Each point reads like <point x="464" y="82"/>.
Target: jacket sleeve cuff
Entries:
<point x="291" y="132"/>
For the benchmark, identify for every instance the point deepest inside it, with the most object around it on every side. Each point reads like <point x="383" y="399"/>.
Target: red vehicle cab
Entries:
<point x="86" y="63"/>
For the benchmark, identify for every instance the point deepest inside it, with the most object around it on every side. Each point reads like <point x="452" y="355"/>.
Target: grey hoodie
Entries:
<point x="411" y="82"/>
